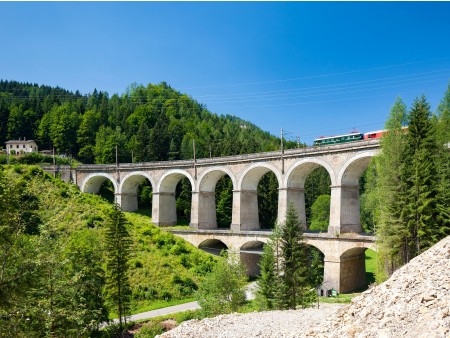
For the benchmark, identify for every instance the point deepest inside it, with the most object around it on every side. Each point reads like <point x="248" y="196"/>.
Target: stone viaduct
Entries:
<point x="343" y="246"/>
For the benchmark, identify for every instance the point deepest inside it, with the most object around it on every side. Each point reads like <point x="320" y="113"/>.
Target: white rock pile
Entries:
<point x="414" y="302"/>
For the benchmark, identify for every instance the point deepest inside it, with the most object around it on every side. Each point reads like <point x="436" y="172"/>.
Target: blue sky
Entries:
<point x="311" y="68"/>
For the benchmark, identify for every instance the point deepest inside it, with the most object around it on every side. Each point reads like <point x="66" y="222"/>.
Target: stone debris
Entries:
<point x="414" y="302"/>
<point x="279" y="324"/>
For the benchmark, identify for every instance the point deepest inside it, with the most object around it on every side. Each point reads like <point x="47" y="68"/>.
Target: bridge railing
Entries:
<point x="302" y="152"/>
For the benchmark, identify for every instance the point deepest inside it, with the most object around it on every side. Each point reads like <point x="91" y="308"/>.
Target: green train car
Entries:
<point x="326" y="140"/>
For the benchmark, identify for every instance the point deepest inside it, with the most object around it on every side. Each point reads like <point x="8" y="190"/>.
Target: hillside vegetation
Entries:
<point x="52" y="240"/>
<point x="148" y="123"/>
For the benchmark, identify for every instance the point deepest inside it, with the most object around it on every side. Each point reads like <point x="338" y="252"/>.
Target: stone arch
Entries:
<point x="296" y="175"/>
<point x="128" y="187"/>
<point x="92" y="183"/>
<point x="213" y="246"/>
<point x="164" y="211"/>
<point x="252" y="175"/>
<point x="322" y="246"/>
<point x="245" y="199"/>
<point x="250" y="253"/>
<point x="208" y="180"/>
<point x="203" y="211"/>
<point x="345" y="207"/>
<point x="131" y="181"/>
<point x="170" y="179"/>
<point x="295" y="183"/>
<point x="354" y="167"/>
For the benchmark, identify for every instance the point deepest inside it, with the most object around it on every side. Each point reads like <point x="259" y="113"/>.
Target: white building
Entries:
<point x="21" y="146"/>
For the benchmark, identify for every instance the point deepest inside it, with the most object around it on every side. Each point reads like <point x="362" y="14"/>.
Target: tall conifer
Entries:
<point x="294" y="279"/>
<point x="269" y="278"/>
<point x="391" y="231"/>
<point x="118" y="245"/>
<point x="442" y="125"/>
<point x="419" y="214"/>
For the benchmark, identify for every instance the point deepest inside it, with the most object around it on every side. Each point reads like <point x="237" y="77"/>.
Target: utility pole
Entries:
<point x="195" y="160"/>
<point x="282" y="149"/>
<point x="54" y="163"/>
<point x="298" y="141"/>
<point x="282" y="152"/>
<point x="117" y="158"/>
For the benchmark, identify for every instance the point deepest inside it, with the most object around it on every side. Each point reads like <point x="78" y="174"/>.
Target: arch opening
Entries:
<point x="106" y="191"/>
<point x="368" y="199"/>
<point x="357" y="269"/>
<point x="317" y="199"/>
<point x="315" y="267"/>
<point x="250" y="254"/>
<point x="183" y="198"/>
<point x="347" y="202"/>
<point x="213" y="205"/>
<point x="224" y="202"/>
<point x="267" y="195"/>
<point x="256" y="208"/>
<point x="308" y="184"/>
<point x="136" y="194"/>
<point x="102" y="185"/>
<point x="213" y="246"/>
<point x="172" y="200"/>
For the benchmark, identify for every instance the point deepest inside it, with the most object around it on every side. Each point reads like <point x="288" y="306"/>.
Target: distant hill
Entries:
<point x="148" y="123"/>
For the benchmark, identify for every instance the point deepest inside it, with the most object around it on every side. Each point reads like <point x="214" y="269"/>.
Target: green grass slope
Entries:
<point x="163" y="268"/>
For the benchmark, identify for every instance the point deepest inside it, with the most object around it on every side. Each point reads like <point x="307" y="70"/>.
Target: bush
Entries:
<point x="320" y="213"/>
<point x="149" y="330"/>
<point x="223" y="291"/>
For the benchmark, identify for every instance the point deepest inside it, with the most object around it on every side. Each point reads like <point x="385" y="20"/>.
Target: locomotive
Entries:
<point x="350" y="137"/>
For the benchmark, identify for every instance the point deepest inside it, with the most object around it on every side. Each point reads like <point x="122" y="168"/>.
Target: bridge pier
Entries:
<point x="127" y="201"/>
<point x="296" y="196"/>
<point x="344" y="210"/>
<point x="203" y="210"/>
<point x="245" y="210"/>
<point x="164" y="211"/>
<point x="346" y="273"/>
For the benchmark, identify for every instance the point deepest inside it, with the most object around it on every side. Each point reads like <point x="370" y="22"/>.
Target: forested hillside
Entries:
<point x="53" y="258"/>
<point x="145" y="123"/>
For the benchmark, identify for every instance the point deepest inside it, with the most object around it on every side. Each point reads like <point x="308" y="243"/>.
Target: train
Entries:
<point x="350" y="137"/>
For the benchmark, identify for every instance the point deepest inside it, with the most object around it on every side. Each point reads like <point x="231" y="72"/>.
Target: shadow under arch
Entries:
<point x="353" y="270"/>
<point x="250" y="254"/>
<point x="213" y="246"/>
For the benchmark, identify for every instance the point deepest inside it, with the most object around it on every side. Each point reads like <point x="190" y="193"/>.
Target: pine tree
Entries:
<point x="442" y="127"/>
<point x="118" y="246"/>
<point x="419" y="213"/>
<point x="269" y="278"/>
<point x="295" y="287"/>
<point x="390" y="230"/>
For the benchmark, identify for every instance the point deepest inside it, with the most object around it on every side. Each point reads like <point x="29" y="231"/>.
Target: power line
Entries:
<point x="319" y="87"/>
<point x="324" y="75"/>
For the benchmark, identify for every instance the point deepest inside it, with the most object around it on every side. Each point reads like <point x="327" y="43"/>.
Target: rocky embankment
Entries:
<point x="414" y="302"/>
